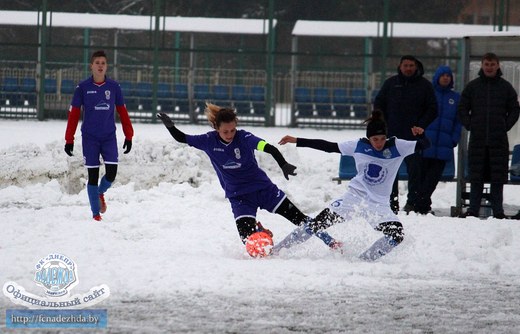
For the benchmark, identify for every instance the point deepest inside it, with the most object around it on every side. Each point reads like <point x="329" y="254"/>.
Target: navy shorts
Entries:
<point x="246" y="205"/>
<point x="95" y="147"/>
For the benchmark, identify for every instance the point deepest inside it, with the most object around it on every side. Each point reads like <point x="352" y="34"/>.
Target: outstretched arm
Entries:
<point x="177" y="134"/>
<point x="317" y="144"/>
<point x="286" y="167"/>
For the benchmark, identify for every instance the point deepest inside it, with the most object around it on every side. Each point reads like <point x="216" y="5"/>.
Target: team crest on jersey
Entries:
<point x="107" y="94"/>
<point x="387" y="153"/>
<point x="374" y="173"/>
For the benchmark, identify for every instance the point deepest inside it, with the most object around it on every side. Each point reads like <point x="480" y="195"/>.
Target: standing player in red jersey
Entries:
<point x="100" y="97"/>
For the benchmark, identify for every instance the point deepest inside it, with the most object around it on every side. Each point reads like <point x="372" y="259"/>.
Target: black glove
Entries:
<point x="69" y="148"/>
<point x="167" y="121"/>
<point x="127" y="145"/>
<point x="288" y="169"/>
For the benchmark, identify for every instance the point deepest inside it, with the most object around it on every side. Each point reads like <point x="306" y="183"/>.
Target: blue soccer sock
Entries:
<point x="380" y="248"/>
<point x="93" y="198"/>
<point x="104" y="185"/>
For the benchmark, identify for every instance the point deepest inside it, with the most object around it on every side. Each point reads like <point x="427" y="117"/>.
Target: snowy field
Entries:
<point x="169" y="250"/>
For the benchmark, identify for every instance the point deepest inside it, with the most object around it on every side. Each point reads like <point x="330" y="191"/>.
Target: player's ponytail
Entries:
<point x="217" y="115"/>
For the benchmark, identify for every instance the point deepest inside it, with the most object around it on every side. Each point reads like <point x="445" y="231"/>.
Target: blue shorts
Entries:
<point x="246" y="205"/>
<point x="95" y="147"/>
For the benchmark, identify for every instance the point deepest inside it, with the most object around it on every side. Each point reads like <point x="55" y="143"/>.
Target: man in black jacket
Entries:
<point x="409" y="105"/>
<point x="488" y="108"/>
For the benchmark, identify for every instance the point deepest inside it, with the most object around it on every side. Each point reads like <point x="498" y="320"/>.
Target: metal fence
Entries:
<point x="314" y="87"/>
<point x="183" y="92"/>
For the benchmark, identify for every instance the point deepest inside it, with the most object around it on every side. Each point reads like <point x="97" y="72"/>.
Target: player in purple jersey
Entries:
<point x="247" y="187"/>
<point x="100" y="98"/>
<point x="377" y="161"/>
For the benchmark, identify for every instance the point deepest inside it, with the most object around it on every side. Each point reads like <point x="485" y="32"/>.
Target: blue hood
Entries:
<point x="440" y="71"/>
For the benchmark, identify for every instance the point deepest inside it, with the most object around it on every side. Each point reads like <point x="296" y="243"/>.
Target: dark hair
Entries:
<point x="377" y="115"/>
<point x="408" y="57"/>
<point x="217" y="115"/>
<point x="97" y="54"/>
<point x="490" y="56"/>
<point x="376" y="124"/>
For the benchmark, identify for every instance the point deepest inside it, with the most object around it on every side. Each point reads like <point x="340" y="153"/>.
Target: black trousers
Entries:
<point x="431" y="173"/>
<point x="496" y="197"/>
<point x="496" y="190"/>
<point x="413" y="167"/>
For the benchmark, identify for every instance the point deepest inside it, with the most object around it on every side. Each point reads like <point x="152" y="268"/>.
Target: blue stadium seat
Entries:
<point x="302" y="95"/>
<point x="347" y="167"/>
<point x="358" y="98"/>
<point x="321" y="98"/>
<point x="221" y="93"/>
<point x="239" y="93"/>
<point x="28" y="85"/>
<point x="240" y="99"/>
<point x="303" y="101"/>
<point x="165" y="96"/>
<point x="181" y="98"/>
<point x="143" y="90"/>
<point x="340" y="102"/>
<point x="10" y="84"/>
<point x="164" y="90"/>
<point x="67" y="86"/>
<point x="180" y="91"/>
<point x="127" y="88"/>
<point x="28" y="89"/>
<point x="201" y="92"/>
<point x="50" y="86"/>
<point x="257" y="95"/>
<point x="201" y="95"/>
<point x="10" y="91"/>
<point x="515" y="159"/>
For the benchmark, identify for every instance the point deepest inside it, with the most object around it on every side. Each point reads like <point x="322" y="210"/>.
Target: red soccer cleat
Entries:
<point x="260" y="228"/>
<point x="98" y="218"/>
<point x="102" y="203"/>
<point x="336" y="246"/>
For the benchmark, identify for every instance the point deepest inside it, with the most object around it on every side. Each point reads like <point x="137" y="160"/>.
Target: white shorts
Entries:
<point x="354" y="204"/>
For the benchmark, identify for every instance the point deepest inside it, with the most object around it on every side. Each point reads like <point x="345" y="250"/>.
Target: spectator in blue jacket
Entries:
<point x="444" y="134"/>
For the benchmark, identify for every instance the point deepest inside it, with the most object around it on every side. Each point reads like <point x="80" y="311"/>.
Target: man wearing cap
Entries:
<point x="409" y="105"/>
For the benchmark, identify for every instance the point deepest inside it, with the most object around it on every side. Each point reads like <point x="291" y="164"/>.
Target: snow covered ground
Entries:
<point x="169" y="251"/>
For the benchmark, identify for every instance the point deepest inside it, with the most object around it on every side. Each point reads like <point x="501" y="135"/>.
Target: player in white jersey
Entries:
<point x="377" y="162"/>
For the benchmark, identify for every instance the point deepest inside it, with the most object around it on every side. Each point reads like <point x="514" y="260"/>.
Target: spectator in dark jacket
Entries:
<point x="444" y="134"/>
<point x="488" y="109"/>
<point x="409" y="106"/>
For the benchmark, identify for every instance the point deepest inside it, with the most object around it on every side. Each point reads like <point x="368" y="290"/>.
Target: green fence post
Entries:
<point x="43" y="44"/>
